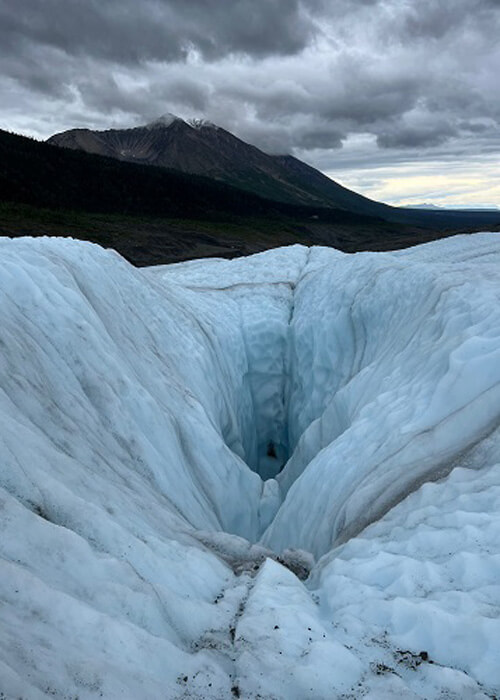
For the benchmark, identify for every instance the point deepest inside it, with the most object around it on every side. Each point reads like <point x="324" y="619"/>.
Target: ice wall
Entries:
<point x="395" y="372"/>
<point x="246" y="307"/>
<point x="105" y="377"/>
<point x="373" y="373"/>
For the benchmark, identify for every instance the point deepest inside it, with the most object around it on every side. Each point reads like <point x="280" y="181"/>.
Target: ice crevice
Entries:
<point x="179" y="445"/>
<point x="299" y="364"/>
<point x="315" y="363"/>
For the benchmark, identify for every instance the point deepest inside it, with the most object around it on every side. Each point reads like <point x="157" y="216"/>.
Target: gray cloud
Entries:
<point x="319" y="138"/>
<point x="288" y="75"/>
<point x="415" y="137"/>
<point x="164" y="30"/>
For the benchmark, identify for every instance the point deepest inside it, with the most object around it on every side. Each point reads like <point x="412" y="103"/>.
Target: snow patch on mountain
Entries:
<point x="168" y="119"/>
<point x="197" y="123"/>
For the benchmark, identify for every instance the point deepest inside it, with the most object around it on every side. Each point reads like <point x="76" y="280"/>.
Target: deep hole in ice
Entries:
<point x="315" y="373"/>
<point x="271" y="451"/>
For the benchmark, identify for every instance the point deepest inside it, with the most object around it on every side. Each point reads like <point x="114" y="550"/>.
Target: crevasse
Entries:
<point x="349" y="362"/>
<point x="139" y="410"/>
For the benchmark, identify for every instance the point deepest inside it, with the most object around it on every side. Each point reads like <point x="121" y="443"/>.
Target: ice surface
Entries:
<point x="179" y="444"/>
<point x="395" y="375"/>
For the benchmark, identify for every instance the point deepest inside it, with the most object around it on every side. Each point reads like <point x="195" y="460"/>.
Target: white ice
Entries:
<point x="180" y="444"/>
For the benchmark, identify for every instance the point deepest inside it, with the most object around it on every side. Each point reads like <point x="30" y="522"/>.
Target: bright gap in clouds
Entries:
<point x="453" y="184"/>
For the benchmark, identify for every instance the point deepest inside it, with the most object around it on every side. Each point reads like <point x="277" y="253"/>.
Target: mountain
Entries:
<point x="463" y="207"/>
<point x="423" y="206"/>
<point x="202" y="148"/>
<point x="37" y="173"/>
<point x="155" y="215"/>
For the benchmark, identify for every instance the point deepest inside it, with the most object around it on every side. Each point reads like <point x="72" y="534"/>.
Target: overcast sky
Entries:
<point x="398" y="99"/>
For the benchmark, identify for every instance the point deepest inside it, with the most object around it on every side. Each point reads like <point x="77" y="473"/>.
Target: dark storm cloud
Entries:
<point x="163" y="30"/>
<point x="474" y="127"/>
<point x="319" y="138"/>
<point x="303" y="75"/>
<point x="415" y="137"/>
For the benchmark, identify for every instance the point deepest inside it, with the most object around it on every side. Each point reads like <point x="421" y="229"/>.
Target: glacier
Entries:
<point x="269" y="477"/>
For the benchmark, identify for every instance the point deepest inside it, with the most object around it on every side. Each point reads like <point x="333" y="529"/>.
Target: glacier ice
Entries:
<point x="179" y="442"/>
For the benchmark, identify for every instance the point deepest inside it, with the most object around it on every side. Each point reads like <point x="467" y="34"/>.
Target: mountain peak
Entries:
<point x="168" y="119"/>
<point x="199" y="147"/>
<point x="164" y="121"/>
<point x="202" y="124"/>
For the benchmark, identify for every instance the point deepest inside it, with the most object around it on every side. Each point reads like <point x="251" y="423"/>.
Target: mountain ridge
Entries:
<point x="201" y="148"/>
<point x="155" y="215"/>
<point x="158" y="215"/>
<point x="198" y="147"/>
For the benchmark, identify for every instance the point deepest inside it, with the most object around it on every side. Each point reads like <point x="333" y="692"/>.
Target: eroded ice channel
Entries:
<point x="291" y="399"/>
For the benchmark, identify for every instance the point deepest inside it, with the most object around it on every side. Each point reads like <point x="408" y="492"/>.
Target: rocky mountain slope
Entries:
<point x="157" y="215"/>
<point x="202" y="148"/>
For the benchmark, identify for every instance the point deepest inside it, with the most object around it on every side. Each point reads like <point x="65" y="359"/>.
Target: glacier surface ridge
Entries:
<point x="270" y="477"/>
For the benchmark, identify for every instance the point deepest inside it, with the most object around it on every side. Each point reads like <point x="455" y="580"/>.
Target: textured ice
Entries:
<point x="180" y="445"/>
